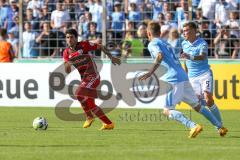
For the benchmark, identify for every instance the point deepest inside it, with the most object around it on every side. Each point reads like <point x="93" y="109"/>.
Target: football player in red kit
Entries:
<point x="77" y="54"/>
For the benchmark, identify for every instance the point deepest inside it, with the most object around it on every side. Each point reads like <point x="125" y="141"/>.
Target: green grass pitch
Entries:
<point x="139" y="134"/>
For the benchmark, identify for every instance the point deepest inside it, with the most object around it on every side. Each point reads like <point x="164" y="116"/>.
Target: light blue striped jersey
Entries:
<point x="175" y="73"/>
<point x="196" y="67"/>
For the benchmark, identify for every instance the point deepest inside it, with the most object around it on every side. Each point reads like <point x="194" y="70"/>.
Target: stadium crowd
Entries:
<point x="46" y="21"/>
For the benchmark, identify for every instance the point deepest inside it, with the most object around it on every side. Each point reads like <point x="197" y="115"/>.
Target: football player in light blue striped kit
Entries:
<point x="195" y="51"/>
<point x="176" y="76"/>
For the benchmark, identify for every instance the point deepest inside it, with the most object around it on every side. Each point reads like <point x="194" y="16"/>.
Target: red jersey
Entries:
<point x="81" y="59"/>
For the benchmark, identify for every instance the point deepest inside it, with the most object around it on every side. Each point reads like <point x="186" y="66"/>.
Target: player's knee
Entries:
<point x="209" y="99"/>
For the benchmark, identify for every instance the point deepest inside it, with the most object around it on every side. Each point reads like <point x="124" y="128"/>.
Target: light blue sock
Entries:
<point x="178" y="116"/>
<point x="215" y="111"/>
<point x="207" y="114"/>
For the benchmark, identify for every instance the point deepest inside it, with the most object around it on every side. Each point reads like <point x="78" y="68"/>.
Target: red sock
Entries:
<point x="98" y="111"/>
<point x="85" y="107"/>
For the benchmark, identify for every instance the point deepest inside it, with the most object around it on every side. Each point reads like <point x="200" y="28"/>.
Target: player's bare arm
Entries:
<point x="156" y="64"/>
<point x="67" y="66"/>
<point x="114" y="60"/>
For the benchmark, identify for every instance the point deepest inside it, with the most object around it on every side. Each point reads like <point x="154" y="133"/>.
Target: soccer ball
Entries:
<point x="40" y="123"/>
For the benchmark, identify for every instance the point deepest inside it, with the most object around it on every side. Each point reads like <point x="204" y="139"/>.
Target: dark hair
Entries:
<point x="73" y="32"/>
<point x="191" y="25"/>
<point x="3" y="32"/>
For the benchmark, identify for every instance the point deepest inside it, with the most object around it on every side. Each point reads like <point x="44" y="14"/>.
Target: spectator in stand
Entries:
<point x="83" y="23"/>
<point x="142" y="35"/>
<point x="46" y="41"/>
<point x="179" y="14"/>
<point x="169" y="20"/>
<point x="134" y="14"/>
<point x="15" y="29"/>
<point x="222" y="12"/>
<point x="96" y="11"/>
<point x="36" y="6"/>
<point x="157" y="6"/>
<point x="145" y="11"/>
<point x="208" y="8"/>
<point x="118" y="21"/>
<point x="51" y="5"/>
<point x="59" y="18"/>
<point x="166" y="7"/>
<point x="6" y="49"/>
<point x="14" y="42"/>
<point x="12" y="12"/>
<point x="226" y="45"/>
<point x="69" y="6"/>
<point x="94" y="36"/>
<point x="80" y="9"/>
<point x="234" y="24"/>
<point x="33" y="20"/>
<point x="45" y="14"/>
<point x="3" y="12"/>
<point x="29" y="42"/>
<point x="164" y="27"/>
<point x="205" y="33"/>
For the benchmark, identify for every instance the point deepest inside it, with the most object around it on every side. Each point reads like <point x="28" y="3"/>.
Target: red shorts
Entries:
<point x="87" y="88"/>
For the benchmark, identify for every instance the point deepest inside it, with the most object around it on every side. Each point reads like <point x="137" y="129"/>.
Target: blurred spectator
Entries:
<point x="226" y="45"/>
<point x="15" y="29"/>
<point x="14" y="42"/>
<point x="134" y="14"/>
<point x="118" y="21"/>
<point x="142" y="35"/>
<point x="29" y="42"/>
<point x="12" y="12"/>
<point x="165" y="28"/>
<point x="33" y="20"/>
<point x="234" y="24"/>
<point x="166" y="7"/>
<point x="96" y="11"/>
<point x="6" y="49"/>
<point x="179" y="14"/>
<point x="83" y="23"/>
<point x="51" y="4"/>
<point x="169" y="20"/>
<point x="59" y="18"/>
<point x="208" y="8"/>
<point x="69" y="7"/>
<point x="46" y="41"/>
<point x="145" y="11"/>
<point x="206" y="34"/>
<point x="132" y="46"/>
<point x="36" y="6"/>
<point x="157" y="6"/>
<point x="94" y="36"/>
<point x="3" y="12"/>
<point x="45" y="14"/>
<point x="222" y="12"/>
<point x="175" y="40"/>
<point x="80" y="9"/>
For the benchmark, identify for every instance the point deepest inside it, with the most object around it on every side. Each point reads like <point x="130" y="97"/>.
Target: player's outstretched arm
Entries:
<point x="114" y="60"/>
<point x="156" y="64"/>
<point x="67" y="66"/>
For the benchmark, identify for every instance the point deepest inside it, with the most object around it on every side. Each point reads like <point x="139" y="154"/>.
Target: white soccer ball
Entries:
<point x="40" y="123"/>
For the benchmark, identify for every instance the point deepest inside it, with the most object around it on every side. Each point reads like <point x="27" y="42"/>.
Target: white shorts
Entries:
<point x="202" y="83"/>
<point x="181" y="92"/>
